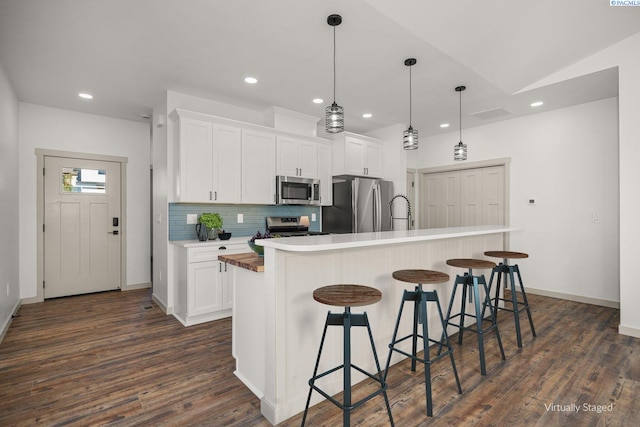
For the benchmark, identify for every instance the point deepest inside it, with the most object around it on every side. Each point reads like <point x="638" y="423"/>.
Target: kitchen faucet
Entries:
<point x="408" y="218"/>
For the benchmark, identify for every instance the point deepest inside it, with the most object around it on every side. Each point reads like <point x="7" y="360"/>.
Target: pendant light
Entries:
<point x="410" y="136"/>
<point x="460" y="149"/>
<point x="334" y="114"/>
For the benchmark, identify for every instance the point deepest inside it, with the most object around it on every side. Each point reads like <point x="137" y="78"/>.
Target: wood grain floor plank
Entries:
<point x="107" y="359"/>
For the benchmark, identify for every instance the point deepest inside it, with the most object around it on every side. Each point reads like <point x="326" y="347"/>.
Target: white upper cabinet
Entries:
<point x="357" y="155"/>
<point x="325" y="173"/>
<point x="258" y="167"/>
<point x="297" y="157"/>
<point x="210" y="161"/>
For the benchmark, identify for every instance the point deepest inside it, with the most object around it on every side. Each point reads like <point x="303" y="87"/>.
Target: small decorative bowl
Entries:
<point x="256" y="248"/>
<point x="224" y="236"/>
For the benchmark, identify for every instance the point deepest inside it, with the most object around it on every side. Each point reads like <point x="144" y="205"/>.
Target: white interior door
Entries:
<point x="81" y="226"/>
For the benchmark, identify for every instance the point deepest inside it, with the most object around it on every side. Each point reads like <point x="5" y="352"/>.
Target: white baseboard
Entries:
<point x="576" y="298"/>
<point x="7" y="322"/>
<point x="626" y="330"/>
<point x="136" y="286"/>
<point x="160" y="304"/>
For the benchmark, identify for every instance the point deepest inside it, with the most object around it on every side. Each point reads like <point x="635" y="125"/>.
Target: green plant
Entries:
<point x="211" y="220"/>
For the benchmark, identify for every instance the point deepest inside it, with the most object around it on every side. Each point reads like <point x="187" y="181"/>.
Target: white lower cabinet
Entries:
<point x="205" y="285"/>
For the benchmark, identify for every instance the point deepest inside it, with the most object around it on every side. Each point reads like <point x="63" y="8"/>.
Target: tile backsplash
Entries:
<point x="254" y="218"/>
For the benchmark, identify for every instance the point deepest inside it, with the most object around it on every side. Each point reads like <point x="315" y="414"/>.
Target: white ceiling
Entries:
<point x="128" y="53"/>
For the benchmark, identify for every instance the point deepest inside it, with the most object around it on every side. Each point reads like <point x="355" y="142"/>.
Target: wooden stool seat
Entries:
<point x="420" y="276"/>
<point x="506" y="254"/>
<point x="470" y="263"/>
<point x="347" y="295"/>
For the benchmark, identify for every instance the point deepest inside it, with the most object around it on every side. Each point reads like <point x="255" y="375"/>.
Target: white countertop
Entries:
<point x="355" y="240"/>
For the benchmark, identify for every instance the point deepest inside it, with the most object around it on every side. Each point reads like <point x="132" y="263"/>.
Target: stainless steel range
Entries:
<point x="289" y="226"/>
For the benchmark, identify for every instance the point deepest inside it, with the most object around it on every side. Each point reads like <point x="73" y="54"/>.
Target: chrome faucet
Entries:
<point x="408" y="218"/>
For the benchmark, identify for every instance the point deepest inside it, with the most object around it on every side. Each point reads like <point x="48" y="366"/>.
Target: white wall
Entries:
<point x="567" y="160"/>
<point x="9" y="243"/>
<point x="56" y="129"/>
<point x="623" y="55"/>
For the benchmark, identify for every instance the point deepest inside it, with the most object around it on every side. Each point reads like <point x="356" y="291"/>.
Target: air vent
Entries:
<point x="491" y="114"/>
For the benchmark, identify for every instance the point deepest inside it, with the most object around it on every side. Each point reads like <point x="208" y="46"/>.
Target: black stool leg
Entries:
<point x="417" y="307"/>
<point x="524" y="298"/>
<point x="476" y="294"/>
<point x="516" y="311"/>
<point x="315" y="370"/>
<point x="492" y="310"/>
<point x="395" y="335"/>
<point x="346" y="370"/>
<point x="463" y="312"/>
<point x="383" y="383"/>
<point x="425" y="349"/>
<point x="445" y="339"/>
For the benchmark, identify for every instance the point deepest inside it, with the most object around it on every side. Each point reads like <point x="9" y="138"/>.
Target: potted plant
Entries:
<point x="213" y="222"/>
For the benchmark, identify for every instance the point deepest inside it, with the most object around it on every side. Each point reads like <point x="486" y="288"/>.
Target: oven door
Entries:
<point x="297" y="191"/>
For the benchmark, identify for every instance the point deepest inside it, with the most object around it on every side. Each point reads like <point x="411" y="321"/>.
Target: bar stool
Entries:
<point x="347" y="296"/>
<point x="469" y="280"/>
<point x="505" y="268"/>
<point x="419" y="297"/>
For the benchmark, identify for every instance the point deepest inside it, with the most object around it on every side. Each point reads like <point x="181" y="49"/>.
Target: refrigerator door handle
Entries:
<point x="375" y="208"/>
<point x="377" y="213"/>
<point x="379" y="203"/>
<point x="354" y="204"/>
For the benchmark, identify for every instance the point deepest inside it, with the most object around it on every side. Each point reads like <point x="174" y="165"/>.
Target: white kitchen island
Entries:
<point x="278" y="357"/>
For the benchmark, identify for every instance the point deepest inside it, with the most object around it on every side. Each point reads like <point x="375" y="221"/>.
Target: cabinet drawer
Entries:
<point x="211" y="253"/>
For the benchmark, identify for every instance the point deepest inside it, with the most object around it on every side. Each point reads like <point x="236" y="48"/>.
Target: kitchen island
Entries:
<point x="287" y="322"/>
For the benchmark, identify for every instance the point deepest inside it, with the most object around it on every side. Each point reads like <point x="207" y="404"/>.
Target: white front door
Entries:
<point x="82" y="226"/>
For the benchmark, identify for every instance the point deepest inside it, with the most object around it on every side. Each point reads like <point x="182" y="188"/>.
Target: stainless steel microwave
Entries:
<point x="292" y="190"/>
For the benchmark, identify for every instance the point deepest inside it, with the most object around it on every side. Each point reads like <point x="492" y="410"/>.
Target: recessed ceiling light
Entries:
<point x="318" y="101"/>
<point x="537" y="103"/>
<point x="251" y="80"/>
<point x="367" y="115"/>
<point x="444" y="125"/>
<point x="85" y="95"/>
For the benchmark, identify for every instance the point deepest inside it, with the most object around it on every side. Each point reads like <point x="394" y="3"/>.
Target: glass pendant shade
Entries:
<point x="334" y="118"/>
<point x="460" y="151"/>
<point x="410" y="139"/>
<point x="410" y="136"/>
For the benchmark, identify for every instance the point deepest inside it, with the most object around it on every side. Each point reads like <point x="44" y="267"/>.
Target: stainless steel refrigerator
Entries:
<point x="359" y="205"/>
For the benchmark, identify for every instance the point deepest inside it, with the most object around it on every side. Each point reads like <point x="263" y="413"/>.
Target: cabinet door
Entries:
<point x="325" y="173"/>
<point x="227" y="287"/>
<point x="354" y="156"/>
<point x="471" y="197"/>
<point x="287" y="156"/>
<point x="308" y="159"/>
<point x="258" y="167"/>
<point x="373" y="159"/>
<point x="227" y="160"/>
<point x="493" y="195"/>
<point x="196" y="154"/>
<point x="204" y="287"/>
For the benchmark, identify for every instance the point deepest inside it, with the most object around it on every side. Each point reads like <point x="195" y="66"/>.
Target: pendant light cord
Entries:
<point x="460" y="116"/>
<point x="410" y="98"/>
<point x="334" y="64"/>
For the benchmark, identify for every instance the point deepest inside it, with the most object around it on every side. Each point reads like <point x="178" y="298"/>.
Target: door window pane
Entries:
<point x="78" y="180"/>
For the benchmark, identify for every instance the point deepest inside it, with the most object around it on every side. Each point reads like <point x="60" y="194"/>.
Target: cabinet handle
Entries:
<point x="210" y="195"/>
<point x="300" y="171"/>
<point x="220" y="268"/>
<point x="215" y="195"/>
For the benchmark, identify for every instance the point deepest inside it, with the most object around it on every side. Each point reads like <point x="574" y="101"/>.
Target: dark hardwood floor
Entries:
<point x="115" y="359"/>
